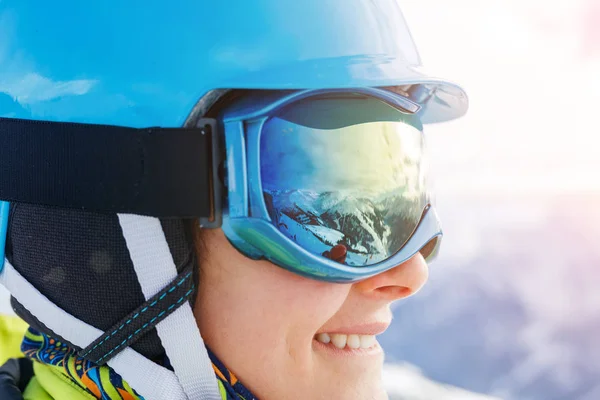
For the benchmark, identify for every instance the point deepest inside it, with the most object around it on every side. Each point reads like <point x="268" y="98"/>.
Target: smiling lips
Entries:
<point x="352" y="341"/>
<point x="356" y="337"/>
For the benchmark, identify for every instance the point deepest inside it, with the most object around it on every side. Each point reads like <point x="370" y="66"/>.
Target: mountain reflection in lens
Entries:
<point x="343" y="177"/>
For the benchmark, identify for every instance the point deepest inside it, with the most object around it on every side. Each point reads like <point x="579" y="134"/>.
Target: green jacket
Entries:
<point x="24" y="379"/>
<point x="46" y="384"/>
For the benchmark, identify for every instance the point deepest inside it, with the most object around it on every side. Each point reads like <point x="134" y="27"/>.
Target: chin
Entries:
<point x="368" y="392"/>
<point x="340" y="385"/>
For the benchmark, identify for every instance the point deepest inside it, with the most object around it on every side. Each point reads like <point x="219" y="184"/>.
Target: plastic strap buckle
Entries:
<point x="4" y="215"/>
<point x="208" y="126"/>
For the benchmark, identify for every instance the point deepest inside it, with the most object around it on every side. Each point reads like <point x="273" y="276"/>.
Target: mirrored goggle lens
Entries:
<point x="343" y="177"/>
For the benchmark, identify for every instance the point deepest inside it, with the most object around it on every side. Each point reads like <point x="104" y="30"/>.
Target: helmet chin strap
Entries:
<point x="179" y="333"/>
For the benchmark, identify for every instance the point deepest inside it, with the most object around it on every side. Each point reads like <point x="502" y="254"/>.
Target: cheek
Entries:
<point x="288" y="303"/>
<point x="245" y="307"/>
<point x="307" y="304"/>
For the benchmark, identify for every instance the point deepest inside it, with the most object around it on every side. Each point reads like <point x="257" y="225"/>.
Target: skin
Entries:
<point x="260" y="320"/>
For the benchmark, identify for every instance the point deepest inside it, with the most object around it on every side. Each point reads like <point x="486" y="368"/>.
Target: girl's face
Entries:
<point x="264" y="323"/>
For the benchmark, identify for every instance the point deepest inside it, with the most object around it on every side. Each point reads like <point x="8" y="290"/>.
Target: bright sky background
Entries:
<point x="532" y="71"/>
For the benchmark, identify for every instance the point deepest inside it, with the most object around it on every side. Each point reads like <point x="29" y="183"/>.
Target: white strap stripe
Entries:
<point x="195" y="370"/>
<point x="149" y="379"/>
<point x="149" y="252"/>
<point x="179" y="334"/>
<point x="62" y="323"/>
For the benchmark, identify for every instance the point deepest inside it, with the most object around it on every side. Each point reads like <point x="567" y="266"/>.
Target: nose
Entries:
<point x="397" y="283"/>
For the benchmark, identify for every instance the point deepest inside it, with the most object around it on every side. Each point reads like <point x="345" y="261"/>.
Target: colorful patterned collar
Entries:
<point x="231" y="388"/>
<point x="101" y="381"/>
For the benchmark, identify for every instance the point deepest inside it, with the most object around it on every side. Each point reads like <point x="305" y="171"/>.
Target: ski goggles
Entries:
<point x="329" y="184"/>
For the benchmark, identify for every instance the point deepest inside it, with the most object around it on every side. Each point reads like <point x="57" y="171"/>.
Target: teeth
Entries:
<point x="339" y="340"/>
<point x="323" y="338"/>
<point x="367" y="341"/>
<point x="352" y="341"/>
